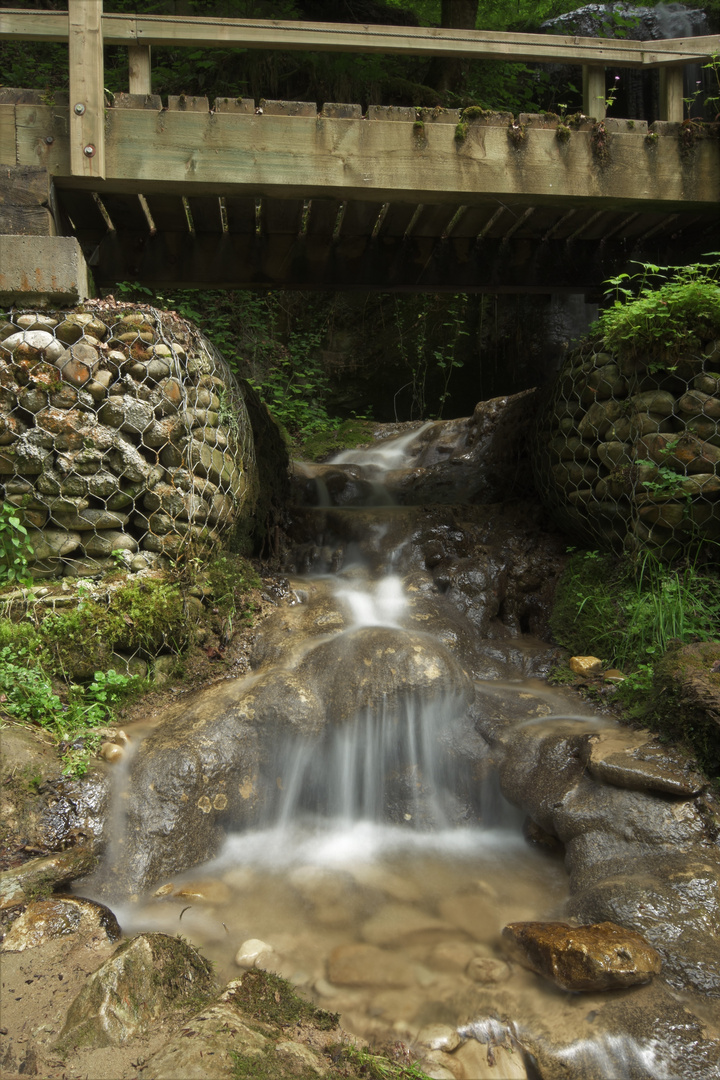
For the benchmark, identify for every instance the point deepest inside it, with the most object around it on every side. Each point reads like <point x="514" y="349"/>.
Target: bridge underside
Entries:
<point x="284" y="197"/>
<point x="329" y="244"/>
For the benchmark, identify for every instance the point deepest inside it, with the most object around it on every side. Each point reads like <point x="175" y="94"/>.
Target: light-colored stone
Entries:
<point x="253" y="952"/>
<point x="586" y="665"/>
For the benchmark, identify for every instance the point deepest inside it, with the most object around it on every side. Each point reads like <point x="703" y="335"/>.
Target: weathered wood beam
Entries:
<point x="672" y="105"/>
<point x="594" y="103"/>
<point x="343" y="37"/>
<point x="25" y="201"/>
<point x="237" y="154"/>
<point x="139" y="69"/>
<point x="87" y="95"/>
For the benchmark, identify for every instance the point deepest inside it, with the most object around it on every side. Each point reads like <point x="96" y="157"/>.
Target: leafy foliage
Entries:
<point x="27" y="694"/>
<point x="15" y="548"/>
<point x="660" y="311"/>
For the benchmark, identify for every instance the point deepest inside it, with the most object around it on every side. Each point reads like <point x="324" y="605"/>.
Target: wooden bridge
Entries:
<point x="278" y="194"/>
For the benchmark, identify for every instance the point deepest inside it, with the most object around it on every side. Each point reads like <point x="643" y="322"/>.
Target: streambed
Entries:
<point x="337" y="816"/>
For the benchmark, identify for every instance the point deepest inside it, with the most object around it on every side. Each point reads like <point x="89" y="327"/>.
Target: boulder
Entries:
<point x="603" y="956"/>
<point x="147" y="976"/>
<point x="45" y="920"/>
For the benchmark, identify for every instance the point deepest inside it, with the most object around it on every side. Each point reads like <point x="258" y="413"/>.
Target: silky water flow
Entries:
<point x="383" y="861"/>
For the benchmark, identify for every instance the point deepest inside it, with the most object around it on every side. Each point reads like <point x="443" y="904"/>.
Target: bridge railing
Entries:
<point x="87" y="29"/>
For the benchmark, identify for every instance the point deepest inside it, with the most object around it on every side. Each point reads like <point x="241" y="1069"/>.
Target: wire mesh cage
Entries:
<point x="124" y="439"/>
<point x="627" y="450"/>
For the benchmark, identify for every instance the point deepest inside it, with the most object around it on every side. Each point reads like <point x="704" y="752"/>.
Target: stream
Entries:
<point x="362" y="846"/>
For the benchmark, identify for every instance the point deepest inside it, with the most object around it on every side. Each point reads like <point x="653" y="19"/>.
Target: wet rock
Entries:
<point x="403" y="924"/>
<point x="640" y="764"/>
<point x="368" y="965"/>
<point x="479" y="1061"/>
<point x="76" y="811"/>
<point x="389" y="663"/>
<point x="487" y="970"/>
<point x="23" y="883"/>
<point x="195" y="771"/>
<point x="603" y="956"/>
<point x="144" y="978"/>
<point x="46" y="920"/>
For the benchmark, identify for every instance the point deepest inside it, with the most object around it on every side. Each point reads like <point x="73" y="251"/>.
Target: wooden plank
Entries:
<point x="7" y="135"/>
<point x="594" y="97"/>
<point x="672" y="106"/>
<point x="139" y="69"/>
<point x="344" y="37"/>
<point x="299" y="157"/>
<point x="87" y="100"/>
<point x="25" y="201"/>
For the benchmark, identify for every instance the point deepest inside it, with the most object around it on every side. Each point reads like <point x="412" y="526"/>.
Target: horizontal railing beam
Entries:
<point x="226" y="153"/>
<point x="345" y="37"/>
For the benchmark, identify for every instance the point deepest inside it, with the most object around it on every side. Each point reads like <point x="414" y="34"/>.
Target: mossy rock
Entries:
<point x="686" y="701"/>
<point x="145" y="978"/>
<point x="347" y="436"/>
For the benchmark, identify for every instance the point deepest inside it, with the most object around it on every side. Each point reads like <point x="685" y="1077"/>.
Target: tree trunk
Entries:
<point x="446" y="73"/>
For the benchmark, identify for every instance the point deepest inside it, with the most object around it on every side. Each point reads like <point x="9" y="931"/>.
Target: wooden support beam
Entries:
<point x="594" y="92"/>
<point x="139" y="69"/>
<point x="241" y="155"/>
<point x="672" y="106"/>
<point x="87" y="95"/>
<point x="205" y="32"/>
<point x="25" y="201"/>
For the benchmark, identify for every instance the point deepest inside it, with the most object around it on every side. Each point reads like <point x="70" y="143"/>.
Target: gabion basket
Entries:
<point x="628" y="457"/>
<point x="124" y="438"/>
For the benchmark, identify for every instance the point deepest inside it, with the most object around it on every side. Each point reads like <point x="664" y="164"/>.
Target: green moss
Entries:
<point x="349" y="434"/>
<point x="267" y="1066"/>
<point x="474" y="112"/>
<point x="651" y="138"/>
<point x="461" y="131"/>
<point x="270" y="999"/>
<point x="562" y="133"/>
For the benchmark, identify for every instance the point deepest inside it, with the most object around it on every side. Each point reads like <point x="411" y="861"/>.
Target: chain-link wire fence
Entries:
<point x="627" y="454"/>
<point x="123" y="438"/>
<point x="125" y="444"/>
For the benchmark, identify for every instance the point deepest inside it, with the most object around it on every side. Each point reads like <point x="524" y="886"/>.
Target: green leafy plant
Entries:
<point x="660" y="311"/>
<point x="15" y="548"/>
<point x="27" y="695"/>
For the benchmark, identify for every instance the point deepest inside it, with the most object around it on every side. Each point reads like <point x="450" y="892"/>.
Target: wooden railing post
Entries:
<point x="140" y="71"/>
<point x="87" y="98"/>
<point x="594" y="91"/>
<point x="671" y="94"/>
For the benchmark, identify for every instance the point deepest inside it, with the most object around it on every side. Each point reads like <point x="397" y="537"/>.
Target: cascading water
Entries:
<point x="379" y="862"/>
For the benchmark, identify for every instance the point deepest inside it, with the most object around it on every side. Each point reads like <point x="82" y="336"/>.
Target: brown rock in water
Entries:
<point x="603" y="956"/>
